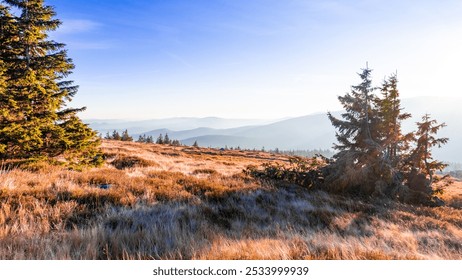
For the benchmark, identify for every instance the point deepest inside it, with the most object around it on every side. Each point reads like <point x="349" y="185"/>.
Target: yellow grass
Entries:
<point x="165" y="202"/>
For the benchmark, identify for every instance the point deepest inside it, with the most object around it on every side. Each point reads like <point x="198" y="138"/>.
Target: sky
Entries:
<point x="259" y="59"/>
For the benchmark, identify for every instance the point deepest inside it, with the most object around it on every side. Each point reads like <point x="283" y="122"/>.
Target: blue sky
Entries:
<point x="252" y="58"/>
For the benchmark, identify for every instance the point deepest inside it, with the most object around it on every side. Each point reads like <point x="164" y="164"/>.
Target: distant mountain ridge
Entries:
<point x="200" y="131"/>
<point x="307" y="132"/>
<point x="177" y="124"/>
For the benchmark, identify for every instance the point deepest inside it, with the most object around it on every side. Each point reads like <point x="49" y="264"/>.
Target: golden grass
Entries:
<point x="189" y="203"/>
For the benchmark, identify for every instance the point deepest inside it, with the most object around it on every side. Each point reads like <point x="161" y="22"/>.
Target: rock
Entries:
<point x="104" y="186"/>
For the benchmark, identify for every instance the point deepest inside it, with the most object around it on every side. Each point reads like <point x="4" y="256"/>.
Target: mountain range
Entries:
<point x="301" y="133"/>
<point x="180" y="123"/>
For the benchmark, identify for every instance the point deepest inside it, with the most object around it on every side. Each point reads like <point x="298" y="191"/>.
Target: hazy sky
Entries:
<point x="139" y="59"/>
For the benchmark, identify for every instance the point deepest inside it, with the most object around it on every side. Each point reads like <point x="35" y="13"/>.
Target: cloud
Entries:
<point x="82" y="45"/>
<point x="79" y="34"/>
<point x="73" y="26"/>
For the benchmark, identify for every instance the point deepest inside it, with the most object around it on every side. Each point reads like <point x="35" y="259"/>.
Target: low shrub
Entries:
<point x="125" y="162"/>
<point x="300" y="171"/>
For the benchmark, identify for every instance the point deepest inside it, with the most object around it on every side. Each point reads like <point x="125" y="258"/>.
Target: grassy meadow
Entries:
<point x="153" y="201"/>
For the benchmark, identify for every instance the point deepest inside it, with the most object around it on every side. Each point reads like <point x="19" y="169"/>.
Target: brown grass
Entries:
<point x="185" y="203"/>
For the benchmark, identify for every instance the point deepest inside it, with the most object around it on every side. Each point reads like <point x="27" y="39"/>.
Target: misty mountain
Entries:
<point x="177" y="124"/>
<point x="224" y="141"/>
<point x="197" y="132"/>
<point x="307" y="132"/>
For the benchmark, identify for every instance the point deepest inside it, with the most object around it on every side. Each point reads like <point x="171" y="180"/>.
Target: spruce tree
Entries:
<point x="141" y="139"/>
<point x="149" y="139"/>
<point x="167" y="139"/>
<point x="36" y="121"/>
<point x="160" y="139"/>
<point x="79" y="143"/>
<point x="392" y="140"/>
<point x="116" y="135"/>
<point x="421" y="159"/>
<point x="125" y="136"/>
<point x="358" y="160"/>
<point x="10" y="129"/>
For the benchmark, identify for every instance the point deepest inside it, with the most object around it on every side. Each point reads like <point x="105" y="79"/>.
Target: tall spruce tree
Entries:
<point x="358" y="163"/>
<point x="394" y="143"/>
<point x="36" y="121"/>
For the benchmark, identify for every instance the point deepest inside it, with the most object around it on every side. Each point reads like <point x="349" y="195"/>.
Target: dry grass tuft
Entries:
<point x="125" y="162"/>
<point x="207" y="171"/>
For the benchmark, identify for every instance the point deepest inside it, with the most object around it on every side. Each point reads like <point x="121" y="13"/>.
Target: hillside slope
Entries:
<point x="163" y="202"/>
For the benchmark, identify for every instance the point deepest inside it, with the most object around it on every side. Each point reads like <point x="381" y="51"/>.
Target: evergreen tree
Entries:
<point x="6" y="39"/>
<point x="36" y="122"/>
<point x="142" y="139"/>
<point x="374" y="156"/>
<point x="78" y="143"/>
<point x="421" y="159"/>
<point x="108" y="136"/>
<point x="195" y="144"/>
<point x="167" y="139"/>
<point x="393" y="142"/>
<point x="160" y="139"/>
<point x="358" y="161"/>
<point x="125" y="136"/>
<point x="116" y="135"/>
<point x="10" y="109"/>
<point x="149" y="139"/>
